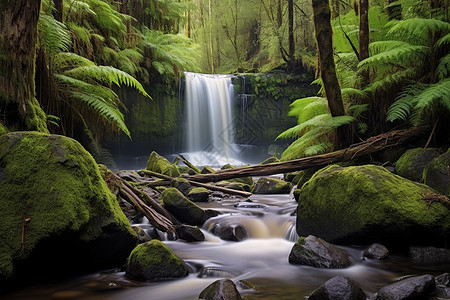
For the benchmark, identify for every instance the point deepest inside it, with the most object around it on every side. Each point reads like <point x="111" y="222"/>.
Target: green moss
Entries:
<point x="411" y="164"/>
<point x="343" y="200"/>
<point x="160" y="164"/>
<point x="153" y="260"/>
<point x="3" y="129"/>
<point x="437" y="173"/>
<point x="182" y="208"/>
<point x="55" y="182"/>
<point x="35" y="119"/>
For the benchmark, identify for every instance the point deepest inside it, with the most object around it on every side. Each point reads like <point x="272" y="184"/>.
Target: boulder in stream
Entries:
<point x="223" y="289"/>
<point x="417" y="287"/>
<point x="338" y="287"/>
<point x="315" y="252"/>
<point x="181" y="184"/>
<point x="182" y="208"/>
<point x="268" y="185"/>
<point x="198" y="194"/>
<point x="366" y="204"/>
<point x="155" y="261"/>
<point x="56" y="212"/>
<point x="376" y="251"/>
<point x="190" y="233"/>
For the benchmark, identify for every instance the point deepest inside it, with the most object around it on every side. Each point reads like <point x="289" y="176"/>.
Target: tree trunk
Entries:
<point x="19" y="108"/>
<point x="373" y="144"/>
<point x="58" y="12"/>
<point x="324" y="41"/>
<point x="363" y="29"/>
<point x="291" y="34"/>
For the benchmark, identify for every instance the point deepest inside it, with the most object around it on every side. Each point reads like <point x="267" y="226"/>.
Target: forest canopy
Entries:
<point x="391" y="61"/>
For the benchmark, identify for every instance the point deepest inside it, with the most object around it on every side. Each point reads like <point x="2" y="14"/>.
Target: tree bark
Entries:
<point x="363" y="29"/>
<point x="58" y="12"/>
<point x="373" y="144"/>
<point x="324" y="41"/>
<point x="19" y="108"/>
<point x="291" y="34"/>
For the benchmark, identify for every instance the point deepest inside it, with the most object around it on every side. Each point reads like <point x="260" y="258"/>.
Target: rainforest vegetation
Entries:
<point x="379" y="64"/>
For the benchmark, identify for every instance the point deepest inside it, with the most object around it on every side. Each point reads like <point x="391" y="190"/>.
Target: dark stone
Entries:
<point x="338" y="288"/>
<point x="199" y="194"/>
<point x="376" y="251"/>
<point x="182" y="208"/>
<point x="437" y="173"/>
<point x="190" y="233"/>
<point x="223" y="289"/>
<point x="430" y="254"/>
<point x="313" y="251"/>
<point x="418" y="287"/>
<point x="230" y="232"/>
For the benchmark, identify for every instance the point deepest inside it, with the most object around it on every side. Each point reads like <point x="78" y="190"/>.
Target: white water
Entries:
<point x="209" y="117"/>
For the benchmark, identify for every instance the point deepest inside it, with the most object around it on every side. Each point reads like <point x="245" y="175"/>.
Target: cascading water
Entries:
<point x="209" y="117"/>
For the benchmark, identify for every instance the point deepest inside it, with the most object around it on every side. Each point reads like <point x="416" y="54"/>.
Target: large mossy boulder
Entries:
<point x="437" y="173"/>
<point x="367" y="204"/>
<point x="159" y="164"/>
<point x="182" y="208"/>
<point x="411" y="164"/>
<point x="155" y="261"/>
<point x="56" y="212"/>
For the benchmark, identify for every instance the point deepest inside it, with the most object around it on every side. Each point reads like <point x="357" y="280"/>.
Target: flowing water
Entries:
<point x="258" y="265"/>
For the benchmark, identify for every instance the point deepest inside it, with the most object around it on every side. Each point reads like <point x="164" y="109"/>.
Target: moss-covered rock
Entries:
<point x="3" y="129"/>
<point x="367" y="204"/>
<point x="199" y="194"/>
<point x="182" y="208"/>
<point x="52" y="188"/>
<point x="181" y="184"/>
<point x="207" y="170"/>
<point x="411" y="164"/>
<point x="160" y="164"/>
<point x="239" y="186"/>
<point x="268" y="185"/>
<point x="272" y="159"/>
<point x="155" y="261"/>
<point x="437" y="173"/>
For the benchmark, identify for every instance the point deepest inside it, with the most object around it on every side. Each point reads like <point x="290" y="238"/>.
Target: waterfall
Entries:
<point x="209" y="115"/>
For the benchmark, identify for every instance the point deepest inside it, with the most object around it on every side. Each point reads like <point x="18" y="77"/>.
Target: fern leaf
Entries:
<point x="401" y="55"/>
<point x="54" y="35"/>
<point x="419" y="30"/>
<point x="439" y="92"/>
<point x="443" y="68"/>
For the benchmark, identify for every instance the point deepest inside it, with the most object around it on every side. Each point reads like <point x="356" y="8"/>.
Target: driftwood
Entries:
<point x="373" y="144"/>
<point x="196" y="183"/>
<point x="188" y="163"/>
<point x="155" y="213"/>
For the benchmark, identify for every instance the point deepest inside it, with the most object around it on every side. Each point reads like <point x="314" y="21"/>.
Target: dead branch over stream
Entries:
<point x="373" y="144"/>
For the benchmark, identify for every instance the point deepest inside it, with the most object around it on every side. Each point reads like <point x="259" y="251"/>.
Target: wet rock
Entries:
<point x="72" y="222"/>
<point x="182" y="208"/>
<point x="155" y="261"/>
<point x="131" y="175"/>
<point x="338" y="287"/>
<point x="199" y="194"/>
<point x="230" y="232"/>
<point x="411" y="164"/>
<point x="182" y="185"/>
<point x="297" y="194"/>
<point x="363" y="204"/>
<point x="376" y="251"/>
<point x="437" y="173"/>
<point x="430" y="254"/>
<point x="190" y="233"/>
<point x="268" y="185"/>
<point x="418" y="287"/>
<point x="223" y="289"/>
<point x="186" y="170"/>
<point x="313" y="251"/>
<point x="159" y="164"/>
<point x="443" y="279"/>
<point x="441" y="292"/>
<point x="239" y="186"/>
<point x="207" y="170"/>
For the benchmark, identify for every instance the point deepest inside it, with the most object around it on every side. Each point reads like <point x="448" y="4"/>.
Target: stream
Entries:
<point x="258" y="264"/>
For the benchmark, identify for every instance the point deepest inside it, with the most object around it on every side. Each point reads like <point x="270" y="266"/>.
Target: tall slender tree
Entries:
<point x="326" y="65"/>
<point x="19" y="108"/>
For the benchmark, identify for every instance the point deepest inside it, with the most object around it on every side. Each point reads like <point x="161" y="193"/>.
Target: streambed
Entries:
<point x="258" y="265"/>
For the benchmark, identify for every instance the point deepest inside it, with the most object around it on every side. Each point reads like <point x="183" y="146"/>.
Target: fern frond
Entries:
<point x="54" y="35"/>
<point x="438" y="92"/>
<point x="381" y="46"/>
<point x="419" y="30"/>
<point x="443" y="68"/>
<point x="69" y="60"/>
<point x="318" y="148"/>
<point x="402" y="55"/>
<point x="390" y="81"/>
<point x="106" y="75"/>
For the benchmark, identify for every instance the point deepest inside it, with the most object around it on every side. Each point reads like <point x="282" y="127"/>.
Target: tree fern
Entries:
<point x="420" y="31"/>
<point x="53" y="35"/>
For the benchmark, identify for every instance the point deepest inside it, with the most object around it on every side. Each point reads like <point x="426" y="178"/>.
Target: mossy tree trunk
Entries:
<point x="19" y="108"/>
<point x="324" y="40"/>
<point x="291" y="61"/>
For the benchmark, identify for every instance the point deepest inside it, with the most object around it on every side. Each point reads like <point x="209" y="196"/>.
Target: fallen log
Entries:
<point x="373" y="144"/>
<point x="196" y="183"/>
